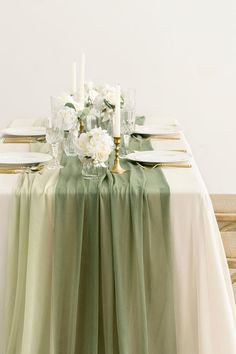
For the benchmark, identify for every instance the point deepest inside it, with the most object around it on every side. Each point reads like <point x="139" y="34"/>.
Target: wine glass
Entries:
<point x="127" y="127"/>
<point x="129" y="97"/>
<point x="127" y="117"/>
<point x="54" y="134"/>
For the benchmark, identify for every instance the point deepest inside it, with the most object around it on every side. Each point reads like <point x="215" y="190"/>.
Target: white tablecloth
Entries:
<point x="204" y="302"/>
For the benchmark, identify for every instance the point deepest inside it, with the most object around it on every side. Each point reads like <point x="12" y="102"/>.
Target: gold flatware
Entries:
<point x="171" y="165"/>
<point x="164" y="137"/>
<point x="171" y="150"/>
<point x="176" y="150"/>
<point x="156" y="137"/>
<point x="23" y="140"/>
<point x="22" y="169"/>
<point x="10" y="171"/>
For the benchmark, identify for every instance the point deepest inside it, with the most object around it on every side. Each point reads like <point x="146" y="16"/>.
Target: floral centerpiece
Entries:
<point x="94" y="148"/>
<point x="100" y="100"/>
<point x="69" y="110"/>
<point x="99" y="103"/>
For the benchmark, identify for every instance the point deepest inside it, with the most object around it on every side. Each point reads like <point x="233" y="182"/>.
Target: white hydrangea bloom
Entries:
<point x="68" y="117"/>
<point x="96" y="144"/>
<point x="99" y="103"/>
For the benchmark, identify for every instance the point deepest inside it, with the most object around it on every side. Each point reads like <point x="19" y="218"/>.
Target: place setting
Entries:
<point x="160" y="158"/>
<point x="157" y="131"/>
<point x="23" y="135"/>
<point x="23" y="162"/>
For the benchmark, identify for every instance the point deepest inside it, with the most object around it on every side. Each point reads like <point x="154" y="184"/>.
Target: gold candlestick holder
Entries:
<point x="81" y="126"/>
<point x="116" y="166"/>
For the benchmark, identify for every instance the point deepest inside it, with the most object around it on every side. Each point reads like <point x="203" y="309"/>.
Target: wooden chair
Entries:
<point x="227" y="226"/>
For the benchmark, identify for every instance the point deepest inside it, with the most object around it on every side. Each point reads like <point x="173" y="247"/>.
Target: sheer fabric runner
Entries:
<point x="90" y="264"/>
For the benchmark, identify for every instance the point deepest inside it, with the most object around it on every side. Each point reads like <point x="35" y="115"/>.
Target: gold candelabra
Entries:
<point x="116" y="166"/>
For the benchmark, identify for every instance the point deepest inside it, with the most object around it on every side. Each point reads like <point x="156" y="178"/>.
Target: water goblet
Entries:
<point x="54" y="136"/>
<point x="127" y="127"/>
<point x="129" y="97"/>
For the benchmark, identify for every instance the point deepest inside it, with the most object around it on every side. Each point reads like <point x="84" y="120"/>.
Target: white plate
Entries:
<point x="167" y="121"/>
<point x="23" y="158"/>
<point x="156" y="130"/>
<point x="158" y="156"/>
<point x="25" y="131"/>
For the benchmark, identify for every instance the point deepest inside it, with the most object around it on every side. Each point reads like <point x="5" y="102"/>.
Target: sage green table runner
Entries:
<point x="104" y="283"/>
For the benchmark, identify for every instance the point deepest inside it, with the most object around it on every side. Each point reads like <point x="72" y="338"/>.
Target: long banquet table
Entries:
<point x="200" y="294"/>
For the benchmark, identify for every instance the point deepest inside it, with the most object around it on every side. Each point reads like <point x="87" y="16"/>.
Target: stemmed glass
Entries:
<point x="54" y="135"/>
<point x="127" y="127"/>
<point x="128" y="117"/>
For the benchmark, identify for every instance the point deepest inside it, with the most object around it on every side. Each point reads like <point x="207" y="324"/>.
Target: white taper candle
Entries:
<point x="49" y="122"/>
<point x="74" y="79"/>
<point x="116" y="120"/>
<point x="82" y="75"/>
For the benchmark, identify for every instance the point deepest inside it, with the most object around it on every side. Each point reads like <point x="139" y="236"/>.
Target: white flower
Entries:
<point x="111" y="97"/>
<point x="99" y="103"/>
<point x="104" y="89"/>
<point x="79" y="107"/>
<point x="68" y="117"/>
<point x="89" y="85"/>
<point x="96" y="144"/>
<point x="63" y="99"/>
<point x="93" y="94"/>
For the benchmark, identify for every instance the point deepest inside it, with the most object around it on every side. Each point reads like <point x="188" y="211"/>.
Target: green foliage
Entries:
<point x="70" y="105"/>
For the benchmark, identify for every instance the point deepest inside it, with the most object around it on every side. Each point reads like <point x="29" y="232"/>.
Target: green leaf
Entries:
<point x="109" y="105"/>
<point x="83" y="114"/>
<point x="70" y="105"/>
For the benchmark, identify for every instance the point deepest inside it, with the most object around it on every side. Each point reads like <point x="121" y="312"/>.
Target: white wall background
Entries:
<point x="179" y="55"/>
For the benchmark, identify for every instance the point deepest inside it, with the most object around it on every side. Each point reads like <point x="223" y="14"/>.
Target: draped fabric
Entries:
<point x="29" y="276"/>
<point x="90" y="264"/>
